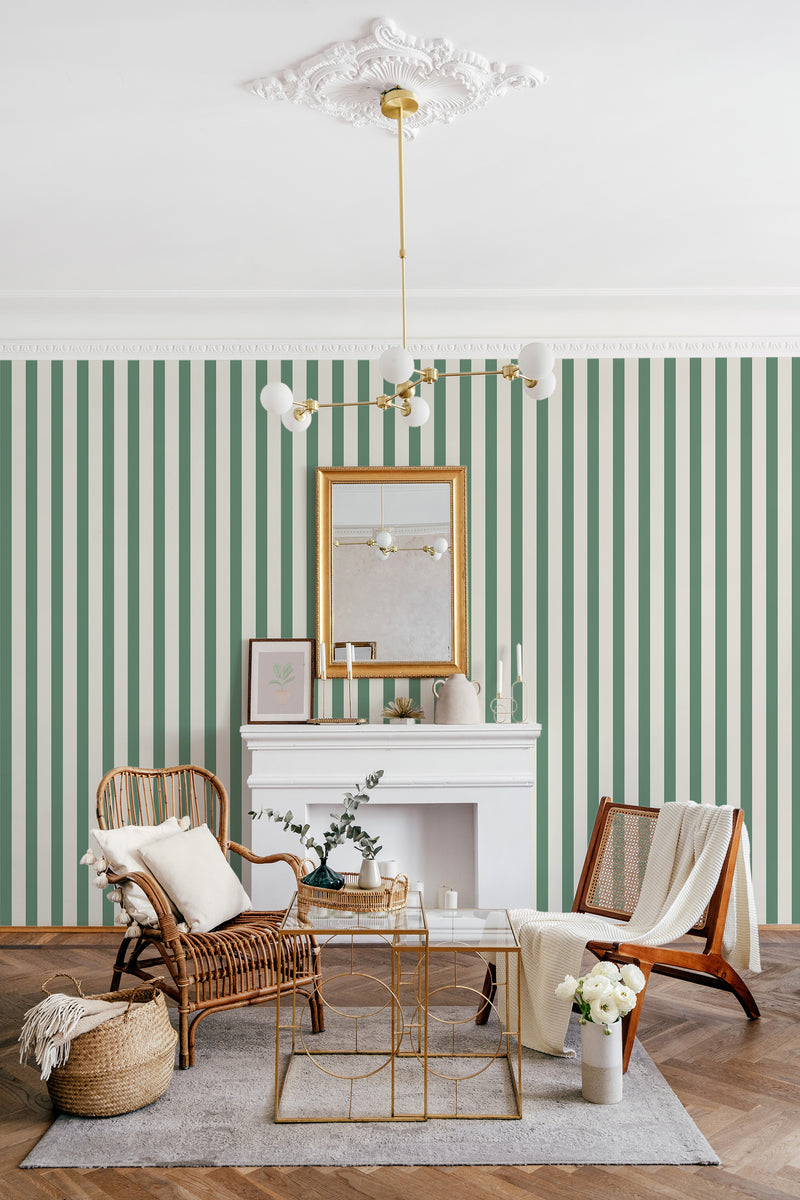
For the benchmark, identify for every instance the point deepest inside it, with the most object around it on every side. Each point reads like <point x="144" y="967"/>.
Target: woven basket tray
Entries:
<point x="390" y="897"/>
<point x="123" y="1064"/>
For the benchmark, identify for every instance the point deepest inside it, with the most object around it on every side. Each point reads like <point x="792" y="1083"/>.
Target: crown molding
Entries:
<point x="580" y="322"/>
<point x="632" y="347"/>
<point x="345" y="80"/>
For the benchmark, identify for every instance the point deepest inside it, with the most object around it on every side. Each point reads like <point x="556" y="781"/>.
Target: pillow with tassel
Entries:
<point x="120" y="853"/>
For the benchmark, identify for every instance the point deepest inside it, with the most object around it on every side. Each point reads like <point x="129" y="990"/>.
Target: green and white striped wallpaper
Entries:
<point x="639" y="534"/>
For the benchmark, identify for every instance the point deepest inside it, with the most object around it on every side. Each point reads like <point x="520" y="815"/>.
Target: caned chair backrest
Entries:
<point x="613" y="871"/>
<point x="141" y="796"/>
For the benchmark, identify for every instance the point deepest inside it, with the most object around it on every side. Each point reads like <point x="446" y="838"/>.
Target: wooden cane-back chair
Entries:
<point x="233" y="966"/>
<point x="609" y="886"/>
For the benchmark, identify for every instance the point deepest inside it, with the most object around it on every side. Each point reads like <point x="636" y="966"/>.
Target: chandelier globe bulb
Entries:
<point x="420" y="411"/>
<point x="544" y="387"/>
<point x="396" y="364"/>
<point x="276" y="398"/>
<point x="440" y="546"/>
<point x="535" y="360"/>
<point x="383" y="539"/>
<point x="295" y="424"/>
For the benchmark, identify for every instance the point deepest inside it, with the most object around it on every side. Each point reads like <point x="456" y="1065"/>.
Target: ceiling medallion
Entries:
<point x="344" y="79"/>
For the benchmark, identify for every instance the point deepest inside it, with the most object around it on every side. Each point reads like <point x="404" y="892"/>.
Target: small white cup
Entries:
<point x="388" y="868"/>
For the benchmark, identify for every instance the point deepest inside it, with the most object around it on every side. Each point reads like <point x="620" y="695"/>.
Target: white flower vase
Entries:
<point x="601" y="1063"/>
<point x="369" y="877"/>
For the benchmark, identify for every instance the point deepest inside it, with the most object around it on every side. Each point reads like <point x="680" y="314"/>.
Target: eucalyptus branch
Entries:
<point x="343" y="827"/>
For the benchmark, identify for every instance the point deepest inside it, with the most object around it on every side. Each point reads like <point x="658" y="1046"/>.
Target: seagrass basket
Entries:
<point x="123" y="1064"/>
<point x="390" y="897"/>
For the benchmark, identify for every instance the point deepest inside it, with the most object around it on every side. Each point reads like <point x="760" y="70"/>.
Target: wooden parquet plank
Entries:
<point x="738" y="1079"/>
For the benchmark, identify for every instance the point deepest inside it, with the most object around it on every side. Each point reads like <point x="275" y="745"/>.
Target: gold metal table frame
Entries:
<point x="414" y="1044"/>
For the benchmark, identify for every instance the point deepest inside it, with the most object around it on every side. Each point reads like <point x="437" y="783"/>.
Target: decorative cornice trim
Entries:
<point x="345" y="80"/>
<point x="632" y="347"/>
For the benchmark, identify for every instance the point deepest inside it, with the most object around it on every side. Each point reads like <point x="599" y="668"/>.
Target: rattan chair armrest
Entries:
<point x="151" y="888"/>
<point x="293" y="861"/>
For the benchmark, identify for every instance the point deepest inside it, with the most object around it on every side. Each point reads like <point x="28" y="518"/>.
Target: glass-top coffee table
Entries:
<point x="400" y="1042"/>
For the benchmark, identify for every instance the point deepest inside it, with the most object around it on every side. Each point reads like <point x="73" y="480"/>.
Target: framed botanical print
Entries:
<point x="281" y="684"/>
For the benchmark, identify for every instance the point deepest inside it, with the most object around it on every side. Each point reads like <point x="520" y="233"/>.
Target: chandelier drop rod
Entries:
<point x="402" y="220"/>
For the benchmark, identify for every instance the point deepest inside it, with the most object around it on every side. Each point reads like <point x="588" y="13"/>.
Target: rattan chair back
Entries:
<point x="141" y="796"/>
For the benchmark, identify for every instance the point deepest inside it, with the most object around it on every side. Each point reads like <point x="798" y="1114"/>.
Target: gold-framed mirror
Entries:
<point x="392" y="569"/>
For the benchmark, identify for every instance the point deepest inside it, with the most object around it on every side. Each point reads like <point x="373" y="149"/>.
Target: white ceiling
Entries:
<point x="650" y="186"/>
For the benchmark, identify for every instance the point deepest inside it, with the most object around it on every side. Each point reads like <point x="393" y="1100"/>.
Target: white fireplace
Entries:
<point x="454" y="806"/>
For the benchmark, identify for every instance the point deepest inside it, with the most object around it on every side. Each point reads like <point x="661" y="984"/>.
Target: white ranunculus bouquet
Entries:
<point x="606" y="994"/>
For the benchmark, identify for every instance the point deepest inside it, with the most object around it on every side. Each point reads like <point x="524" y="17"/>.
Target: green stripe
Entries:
<point x="490" y="542"/>
<point x="415" y="433"/>
<point x="287" y="516"/>
<point x="542" y="746"/>
<point x="618" y="584"/>
<point x="259" y="551"/>
<point x="795" y="549"/>
<point x="567" y="632"/>
<point x="721" y="580"/>
<point x="82" y="785"/>
<point x="771" y="632"/>
<point x="6" y="642"/>
<point x="670" y="547"/>
<point x="134" y="565"/>
<point x="465" y="444"/>
<point x="107" y="587"/>
<point x="56" y="864"/>
<point x="312" y="460"/>
<point x="363" y="461"/>
<point x="512" y="394"/>
<point x="160" y="599"/>
<point x="644" y="732"/>
<point x="234" y="566"/>
<point x="695" y="582"/>
<point x="185" y="582"/>
<point x="746" y="589"/>
<point x="210" y="564"/>
<point x="337" y="704"/>
<point x="592" y="590"/>
<point x="31" y="642"/>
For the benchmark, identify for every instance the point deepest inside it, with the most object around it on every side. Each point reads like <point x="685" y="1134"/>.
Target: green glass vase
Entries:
<point x="324" y="876"/>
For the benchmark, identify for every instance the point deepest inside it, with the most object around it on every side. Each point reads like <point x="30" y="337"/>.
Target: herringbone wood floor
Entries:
<point x="739" y="1080"/>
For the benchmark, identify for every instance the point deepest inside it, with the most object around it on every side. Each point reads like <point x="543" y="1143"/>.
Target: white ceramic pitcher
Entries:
<point x="457" y="701"/>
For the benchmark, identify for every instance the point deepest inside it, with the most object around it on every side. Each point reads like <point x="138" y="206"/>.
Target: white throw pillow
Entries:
<point x="196" y="874"/>
<point x="121" y="848"/>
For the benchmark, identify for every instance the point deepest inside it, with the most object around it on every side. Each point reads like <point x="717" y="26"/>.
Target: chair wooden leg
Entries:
<point x="724" y="971"/>
<point x="631" y="1023"/>
<point x="488" y="992"/>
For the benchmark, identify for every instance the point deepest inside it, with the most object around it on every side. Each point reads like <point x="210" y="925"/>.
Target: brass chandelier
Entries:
<point x="534" y="363"/>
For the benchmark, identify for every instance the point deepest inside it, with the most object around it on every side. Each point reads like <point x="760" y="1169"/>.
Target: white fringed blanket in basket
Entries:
<point x="102" y="1055"/>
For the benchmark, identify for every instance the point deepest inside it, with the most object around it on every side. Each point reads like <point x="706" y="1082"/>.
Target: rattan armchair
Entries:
<point x="233" y="966"/>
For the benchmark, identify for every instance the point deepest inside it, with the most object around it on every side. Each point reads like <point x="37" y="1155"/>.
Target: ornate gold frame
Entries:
<point x="457" y="478"/>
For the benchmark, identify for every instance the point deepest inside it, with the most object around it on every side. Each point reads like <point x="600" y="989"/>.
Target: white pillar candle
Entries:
<point x="519" y="661"/>
<point x="444" y="888"/>
<point x="451" y="899"/>
<point x="500" y="677"/>
<point x="349" y="660"/>
<point x="323" y="661"/>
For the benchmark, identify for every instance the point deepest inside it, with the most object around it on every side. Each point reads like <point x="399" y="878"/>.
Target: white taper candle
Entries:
<point x="349" y="660"/>
<point x="500" y="677"/>
<point x="519" y="661"/>
<point x="323" y="661"/>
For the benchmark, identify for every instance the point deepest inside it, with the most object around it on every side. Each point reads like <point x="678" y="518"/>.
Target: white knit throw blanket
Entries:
<point x="683" y="867"/>
<point x="50" y="1026"/>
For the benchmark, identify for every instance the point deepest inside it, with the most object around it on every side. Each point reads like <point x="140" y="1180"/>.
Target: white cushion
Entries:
<point x="196" y="874"/>
<point x="121" y="848"/>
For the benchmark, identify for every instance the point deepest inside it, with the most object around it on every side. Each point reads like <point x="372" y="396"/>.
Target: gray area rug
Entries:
<point x="220" y="1113"/>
